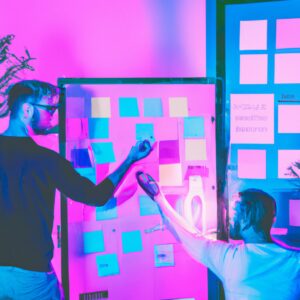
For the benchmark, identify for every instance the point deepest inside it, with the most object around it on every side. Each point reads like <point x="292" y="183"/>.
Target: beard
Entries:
<point x="35" y="124"/>
<point x="235" y="231"/>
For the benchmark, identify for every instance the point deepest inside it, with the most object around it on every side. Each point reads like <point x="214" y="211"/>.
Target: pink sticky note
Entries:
<point x="170" y="175"/>
<point x="76" y="129"/>
<point x="252" y="164"/>
<point x="169" y="152"/>
<point x="285" y="159"/>
<point x="253" y="35"/>
<point x="254" y="69"/>
<point x="287" y="33"/>
<point x="287" y="66"/>
<point x="252" y="118"/>
<point x="287" y="114"/>
<point x="294" y="212"/>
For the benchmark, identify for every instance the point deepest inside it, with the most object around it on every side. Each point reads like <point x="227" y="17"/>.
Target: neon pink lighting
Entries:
<point x="286" y="158"/>
<point x="287" y="33"/>
<point x="294" y="215"/>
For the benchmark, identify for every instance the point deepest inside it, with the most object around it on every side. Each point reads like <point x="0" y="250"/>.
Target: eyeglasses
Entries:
<point x="50" y="108"/>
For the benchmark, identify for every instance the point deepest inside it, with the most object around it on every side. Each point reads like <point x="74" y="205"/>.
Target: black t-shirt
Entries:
<point x="29" y="175"/>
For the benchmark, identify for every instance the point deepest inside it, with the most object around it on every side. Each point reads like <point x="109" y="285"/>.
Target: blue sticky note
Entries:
<point x="93" y="241"/>
<point x="107" y="211"/>
<point x="104" y="152"/>
<point x="153" y="107"/>
<point x="107" y="264"/>
<point x="99" y="128"/>
<point x="128" y="107"/>
<point x="147" y="206"/>
<point x="89" y="173"/>
<point x="194" y="127"/>
<point x="80" y="158"/>
<point x="164" y="255"/>
<point x="144" y="131"/>
<point x="132" y="241"/>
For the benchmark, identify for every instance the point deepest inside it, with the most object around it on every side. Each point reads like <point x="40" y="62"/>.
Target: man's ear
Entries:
<point x="245" y="221"/>
<point x="27" y="111"/>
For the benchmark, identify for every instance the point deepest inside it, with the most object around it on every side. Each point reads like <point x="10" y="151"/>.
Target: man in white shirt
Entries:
<point x="256" y="269"/>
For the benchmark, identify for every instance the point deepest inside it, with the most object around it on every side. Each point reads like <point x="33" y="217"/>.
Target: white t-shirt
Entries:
<point x="250" y="271"/>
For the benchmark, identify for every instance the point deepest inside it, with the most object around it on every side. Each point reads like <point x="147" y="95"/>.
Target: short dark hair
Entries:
<point x="25" y="90"/>
<point x="259" y="208"/>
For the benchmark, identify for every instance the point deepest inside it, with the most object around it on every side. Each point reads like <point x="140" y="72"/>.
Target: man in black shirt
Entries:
<point x="29" y="176"/>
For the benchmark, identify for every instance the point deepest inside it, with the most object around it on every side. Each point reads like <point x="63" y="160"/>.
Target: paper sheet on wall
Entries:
<point x="101" y="107"/>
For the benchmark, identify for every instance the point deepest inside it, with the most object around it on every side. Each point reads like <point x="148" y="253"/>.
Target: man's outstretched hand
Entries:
<point x="140" y="150"/>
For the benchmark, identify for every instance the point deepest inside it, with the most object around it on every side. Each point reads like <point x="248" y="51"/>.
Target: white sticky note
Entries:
<point x="252" y="164"/>
<point x="253" y="35"/>
<point x="253" y="69"/>
<point x="287" y="116"/>
<point x="286" y="158"/>
<point x="287" y="33"/>
<point x="252" y="118"/>
<point x="287" y="66"/>
<point x="294" y="215"/>
<point x="170" y="175"/>
<point x="101" y="107"/>
<point x="178" y="107"/>
<point x="195" y="149"/>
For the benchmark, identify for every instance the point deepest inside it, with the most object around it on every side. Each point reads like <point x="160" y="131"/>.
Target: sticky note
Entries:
<point x="294" y="212"/>
<point x="101" y="107"/>
<point x="144" y="131"/>
<point x="178" y="107"/>
<point x="128" y="107"/>
<point x="287" y="116"/>
<point x="170" y="175"/>
<point x="107" y="211"/>
<point x="75" y="107"/>
<point x="252" y="164"/>
<point x="193" y="127"/>
<point x="195" y="149"/>
<point x="253" y="69"/>
<point x="287" y="158"/>
<point x="164" y="255"/>
<point x="287" y="67"/>
<point x="252" y="118"/>
<point x="107" y="264"/>
<point x="287" y="33"/>
<point x="132" y="241"/>
<point x="76" y="129"/>
<point x="253" y="35"/>
<point x="147" y="206"/>
<point x="89" y="173"/>
<point x="81" y="158"/>
<point x="98" y="128"/>
<point x="153" y="107"/>
<point x="93" y="241"/>
<point x="103" y="152"/>
<point x="169" y="152"/>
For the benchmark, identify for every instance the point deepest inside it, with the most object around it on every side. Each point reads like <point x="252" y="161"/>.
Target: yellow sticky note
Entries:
<point x="101" y="107"/>
<point x="170" y="175"/>
<point x="178" y="107"/>
<point x="195" y="149"/>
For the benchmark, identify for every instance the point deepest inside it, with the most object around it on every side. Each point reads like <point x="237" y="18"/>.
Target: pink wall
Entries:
<point x="98" y="38"/>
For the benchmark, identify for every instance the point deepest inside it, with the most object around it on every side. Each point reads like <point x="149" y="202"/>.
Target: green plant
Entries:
<point x="10" y="65"/>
